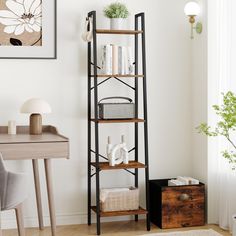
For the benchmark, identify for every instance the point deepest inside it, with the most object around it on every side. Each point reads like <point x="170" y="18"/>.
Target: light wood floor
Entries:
<point x="111" y="229"/>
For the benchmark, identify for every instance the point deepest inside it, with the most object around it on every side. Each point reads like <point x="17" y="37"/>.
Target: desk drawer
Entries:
<point x="22" y="151"/>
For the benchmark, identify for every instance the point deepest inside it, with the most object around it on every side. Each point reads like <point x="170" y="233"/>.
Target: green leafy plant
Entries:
<point x="116" y="10"/>
<point x="226" y="126"/>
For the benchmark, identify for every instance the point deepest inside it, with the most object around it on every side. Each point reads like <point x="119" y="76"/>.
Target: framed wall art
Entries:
<point x="28" y="29"/>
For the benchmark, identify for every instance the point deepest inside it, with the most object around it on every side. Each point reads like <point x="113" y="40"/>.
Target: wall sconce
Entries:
<point x="192" y="9"/>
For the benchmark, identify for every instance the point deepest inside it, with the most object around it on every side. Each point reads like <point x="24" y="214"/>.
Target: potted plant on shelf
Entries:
<point x="225" y="127"/>
<point x="117" y="12"/>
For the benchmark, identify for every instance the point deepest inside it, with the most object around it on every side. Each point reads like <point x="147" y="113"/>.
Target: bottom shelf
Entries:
<point x="139" y="211"/>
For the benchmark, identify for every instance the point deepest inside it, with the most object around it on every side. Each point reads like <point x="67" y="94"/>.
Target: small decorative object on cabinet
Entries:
<point x="36" y="107"/>
<point x="176" y="206"/>
<point x="93" y="84"/>
<point x="117" y="12"/>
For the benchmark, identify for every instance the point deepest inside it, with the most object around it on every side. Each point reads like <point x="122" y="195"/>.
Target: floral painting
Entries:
<point x="20" y="23"/>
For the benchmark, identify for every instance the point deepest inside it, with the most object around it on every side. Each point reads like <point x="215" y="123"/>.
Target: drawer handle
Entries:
<point x="184" y="197"/>
<point x="185" y="224"/>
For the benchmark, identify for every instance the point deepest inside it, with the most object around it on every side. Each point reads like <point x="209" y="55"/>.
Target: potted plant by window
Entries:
<point x="117" y="12"/>
<point x="226" y="126"/>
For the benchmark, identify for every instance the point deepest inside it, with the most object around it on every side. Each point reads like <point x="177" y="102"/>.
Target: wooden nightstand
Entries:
<point x="176" y="206"/>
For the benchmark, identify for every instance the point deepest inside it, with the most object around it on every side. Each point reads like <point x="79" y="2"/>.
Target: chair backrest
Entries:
<point x="2" y="166"/>
<point x="3" y="181"/>
<point x="13" y="187"/>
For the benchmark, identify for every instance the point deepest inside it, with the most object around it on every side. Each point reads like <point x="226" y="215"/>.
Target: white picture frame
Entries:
<point x="48" y="49"/>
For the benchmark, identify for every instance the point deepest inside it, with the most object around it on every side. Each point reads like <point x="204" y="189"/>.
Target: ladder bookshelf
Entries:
<point x="99" y="165"/>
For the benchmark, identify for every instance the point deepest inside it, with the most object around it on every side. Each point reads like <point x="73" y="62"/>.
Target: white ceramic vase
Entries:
<point x="117" y="23"/>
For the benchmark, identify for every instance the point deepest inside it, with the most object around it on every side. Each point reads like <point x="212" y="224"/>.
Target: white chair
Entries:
<point x="13" y="191"/>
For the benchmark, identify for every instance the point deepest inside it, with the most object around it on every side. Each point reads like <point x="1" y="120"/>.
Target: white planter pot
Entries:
<point x="117" y="23"/>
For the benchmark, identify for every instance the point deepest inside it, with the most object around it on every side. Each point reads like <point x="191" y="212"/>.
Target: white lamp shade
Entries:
<point x="192" y="9"/>
<point x="36" y="106"/>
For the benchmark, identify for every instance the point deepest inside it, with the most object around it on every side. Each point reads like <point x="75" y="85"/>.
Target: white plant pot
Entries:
<point x="117" y="23"/>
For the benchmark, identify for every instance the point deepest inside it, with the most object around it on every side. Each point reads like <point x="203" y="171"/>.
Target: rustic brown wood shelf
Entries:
<point x="108" y="31"/>
<point x="119" y="121"/>
<point x="121" y="76"/>
<point x="131" y="165"/>
<point x="139" y="211"/>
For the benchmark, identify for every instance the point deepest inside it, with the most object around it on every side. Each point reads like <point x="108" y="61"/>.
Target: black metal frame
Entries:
<point x="92" y="65"/>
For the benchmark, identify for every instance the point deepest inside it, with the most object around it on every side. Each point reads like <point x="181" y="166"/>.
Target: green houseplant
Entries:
<point x="117" y="12"/>
<point x="226" y="126"/>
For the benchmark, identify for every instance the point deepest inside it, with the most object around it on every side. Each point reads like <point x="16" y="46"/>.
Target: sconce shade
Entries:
<point x="192" y="9"/>
<point x="36" y="106"/>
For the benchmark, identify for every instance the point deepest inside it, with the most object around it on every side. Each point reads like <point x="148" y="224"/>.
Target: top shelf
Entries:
<point x="107" y="31"/>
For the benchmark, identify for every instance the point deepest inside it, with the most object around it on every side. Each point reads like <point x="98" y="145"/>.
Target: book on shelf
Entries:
<point x="117" y="60"/>
<point x="106" y="59"/>
<point x="130" y="60"/>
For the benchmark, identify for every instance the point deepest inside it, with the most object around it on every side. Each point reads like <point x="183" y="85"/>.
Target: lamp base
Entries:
<point x="35" y="124"/>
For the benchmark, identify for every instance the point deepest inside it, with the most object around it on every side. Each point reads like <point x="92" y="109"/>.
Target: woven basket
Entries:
<point x="119" y="199"/>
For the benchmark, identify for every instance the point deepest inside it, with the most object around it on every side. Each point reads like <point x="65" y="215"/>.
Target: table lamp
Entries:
<point x="35" y="107"/>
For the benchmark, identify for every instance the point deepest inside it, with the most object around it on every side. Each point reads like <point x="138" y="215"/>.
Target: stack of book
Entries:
<point x="117" y="60"/>
<point x="183" y="180"/>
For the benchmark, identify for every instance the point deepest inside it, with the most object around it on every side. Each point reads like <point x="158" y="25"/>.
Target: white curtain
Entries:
<point x="225" y="77"/>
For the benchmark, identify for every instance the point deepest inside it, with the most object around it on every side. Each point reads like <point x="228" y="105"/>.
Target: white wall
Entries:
<point x="199" y="96"/>
<point x="212" y="98"/>
<point x="63" y="83"/>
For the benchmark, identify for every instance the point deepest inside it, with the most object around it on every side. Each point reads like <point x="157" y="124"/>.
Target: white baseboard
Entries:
<point x="64" y="219"/>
